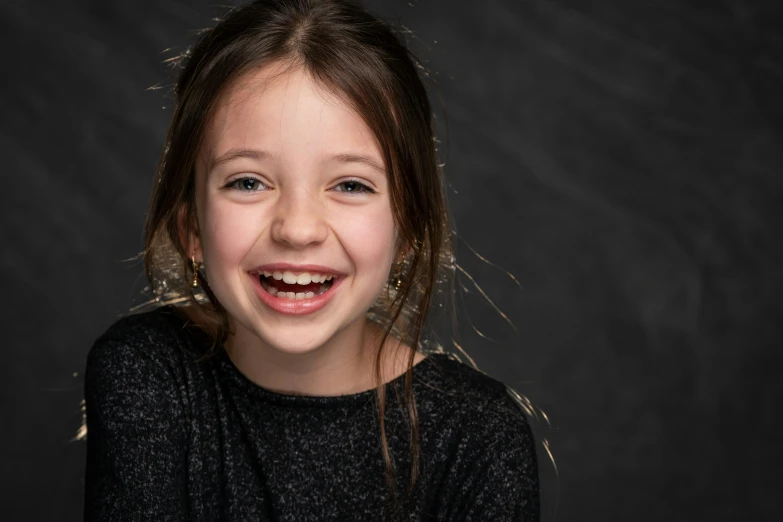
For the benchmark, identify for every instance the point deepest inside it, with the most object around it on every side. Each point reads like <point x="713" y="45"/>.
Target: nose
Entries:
<point x="299" y="219"/>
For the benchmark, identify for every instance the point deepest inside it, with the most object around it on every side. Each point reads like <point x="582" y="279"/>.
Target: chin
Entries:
<point x="294" y="341"/>
<point x="294" y="346"/>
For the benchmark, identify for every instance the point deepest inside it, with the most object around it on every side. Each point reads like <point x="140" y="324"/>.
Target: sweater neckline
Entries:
<point x="419" y="370"/>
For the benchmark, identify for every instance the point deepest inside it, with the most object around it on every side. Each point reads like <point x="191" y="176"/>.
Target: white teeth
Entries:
<point x="294" y="295"/>
<point x="305" y="278"/>
<point x="290" y="278"/>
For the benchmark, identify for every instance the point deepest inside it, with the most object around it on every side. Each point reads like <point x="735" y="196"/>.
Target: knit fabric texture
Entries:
<point x="174" y="438"/>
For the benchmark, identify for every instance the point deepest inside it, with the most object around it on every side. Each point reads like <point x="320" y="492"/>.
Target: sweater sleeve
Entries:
<point x="136" y="443"/>
<point x="494" y="475"/>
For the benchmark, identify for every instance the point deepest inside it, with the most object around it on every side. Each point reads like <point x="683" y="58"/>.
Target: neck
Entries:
<point x="345" y="365"/>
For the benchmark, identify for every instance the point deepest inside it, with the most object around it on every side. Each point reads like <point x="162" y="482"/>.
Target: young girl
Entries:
<point x="296" y="236"/>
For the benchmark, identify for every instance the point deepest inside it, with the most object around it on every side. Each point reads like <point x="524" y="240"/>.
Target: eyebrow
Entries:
<point x="256" y="154"/>
<point x="358" y="158"/>
<point x="233" y="154"/>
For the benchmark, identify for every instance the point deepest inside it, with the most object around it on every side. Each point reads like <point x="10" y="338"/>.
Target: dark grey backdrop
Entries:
<point x="621" y="158"/>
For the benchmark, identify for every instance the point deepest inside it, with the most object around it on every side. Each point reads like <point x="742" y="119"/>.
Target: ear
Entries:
<point x="188" y="234"/>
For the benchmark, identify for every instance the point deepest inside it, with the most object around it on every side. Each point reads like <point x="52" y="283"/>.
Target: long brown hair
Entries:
<point x="366" y="62"/>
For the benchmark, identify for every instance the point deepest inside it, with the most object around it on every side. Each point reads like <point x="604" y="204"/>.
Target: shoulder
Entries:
<point x="160" y="324"/>
<point x="468" y="391"/>
<point x="139" y="356"/>
<point x="486" y="446"/>
<point x="137" y="377"/>
<point x="478" y="410"/>
<point x="137" y="417"/>
<point x="156" y="337"/>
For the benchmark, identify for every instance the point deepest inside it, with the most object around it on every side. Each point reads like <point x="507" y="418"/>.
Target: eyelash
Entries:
<point x="362" y="188"/>
<point x="234" y="185"/>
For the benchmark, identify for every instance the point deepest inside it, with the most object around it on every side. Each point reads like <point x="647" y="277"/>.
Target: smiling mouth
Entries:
<point x="283" y="290"/>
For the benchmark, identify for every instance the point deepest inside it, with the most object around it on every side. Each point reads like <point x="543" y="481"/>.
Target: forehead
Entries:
<point x="284" y="111"/>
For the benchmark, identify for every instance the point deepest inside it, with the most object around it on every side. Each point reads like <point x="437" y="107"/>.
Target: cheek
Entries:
<point x="229" y="233"/>
<point x="368" y="239"/>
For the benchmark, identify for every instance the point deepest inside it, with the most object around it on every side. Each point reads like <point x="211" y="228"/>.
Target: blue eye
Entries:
<point x="354" y="187"/>
<point x="246" y="185"/>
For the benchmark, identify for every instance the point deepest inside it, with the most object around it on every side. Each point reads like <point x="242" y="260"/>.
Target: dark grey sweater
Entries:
<point x="173" y="439"/>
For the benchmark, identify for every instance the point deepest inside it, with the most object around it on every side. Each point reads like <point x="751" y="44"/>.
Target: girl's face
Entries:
<point x="289" y="176"/>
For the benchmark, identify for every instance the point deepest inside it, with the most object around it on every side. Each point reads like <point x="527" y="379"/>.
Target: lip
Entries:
<point x="297" y="269"/>
<point x="294" y="306"/>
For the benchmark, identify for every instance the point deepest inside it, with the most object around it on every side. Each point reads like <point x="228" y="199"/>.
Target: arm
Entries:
<point x="136" y="445"/>
<point x="495" y="474"/>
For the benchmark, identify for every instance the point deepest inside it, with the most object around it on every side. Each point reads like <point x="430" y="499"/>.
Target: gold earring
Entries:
<point x="194" y="283"/>
<point x="396" y="281"/>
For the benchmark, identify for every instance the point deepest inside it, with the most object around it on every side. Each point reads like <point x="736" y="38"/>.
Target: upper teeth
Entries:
<point x="305" y="278"/>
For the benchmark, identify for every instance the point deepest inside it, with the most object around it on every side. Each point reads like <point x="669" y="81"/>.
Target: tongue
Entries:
<point x="285" y="287"/>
